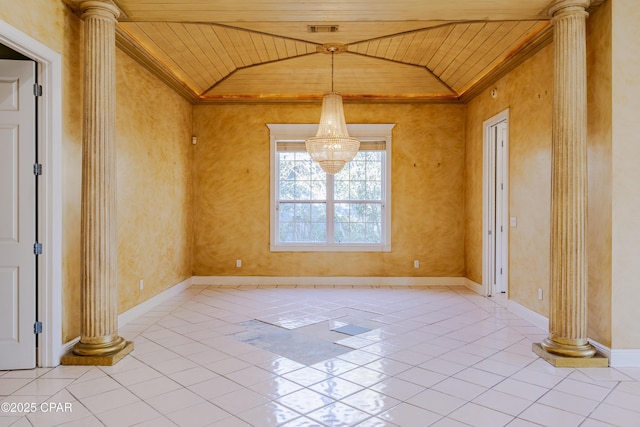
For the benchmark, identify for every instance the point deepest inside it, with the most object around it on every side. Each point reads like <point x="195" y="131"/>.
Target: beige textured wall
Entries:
<point x="43" y="20"/>
<point x="527" y="92"/>
<point x="154" y="184"/>
<point x="599" y="154"/>
<point x="231" y="197"/>
<point x="626" y="174"/>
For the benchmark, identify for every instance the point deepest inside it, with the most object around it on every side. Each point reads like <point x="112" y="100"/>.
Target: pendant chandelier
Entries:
<point x="332" y="147"/>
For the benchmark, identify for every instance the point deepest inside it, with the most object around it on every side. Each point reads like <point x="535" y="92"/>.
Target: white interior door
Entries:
<point x="496" y="205"/>
<point x="17" y="215"/>
<point x="490" y="208"/>
<point x="500" y="243"/>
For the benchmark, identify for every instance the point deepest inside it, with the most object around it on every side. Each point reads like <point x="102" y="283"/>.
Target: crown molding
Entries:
<point x="530" y="48"/>
<point x="126" y="44"/>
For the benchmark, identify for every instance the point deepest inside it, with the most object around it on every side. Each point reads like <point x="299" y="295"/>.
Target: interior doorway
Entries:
<point x="18" y="214"/>
<point x="495" y="274"/>
<point x="48" y="125"/>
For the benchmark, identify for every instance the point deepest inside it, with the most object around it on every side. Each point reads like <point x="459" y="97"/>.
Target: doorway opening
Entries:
<point x="495" y="274"/>
<point x="48" y="125"/>
<point x="18" y="212"/>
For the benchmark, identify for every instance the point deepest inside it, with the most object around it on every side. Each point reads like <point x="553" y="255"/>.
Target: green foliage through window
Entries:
<point x="319" y="208"/>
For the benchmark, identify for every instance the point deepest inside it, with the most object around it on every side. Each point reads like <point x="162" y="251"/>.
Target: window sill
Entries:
<point x="330" y="248"/>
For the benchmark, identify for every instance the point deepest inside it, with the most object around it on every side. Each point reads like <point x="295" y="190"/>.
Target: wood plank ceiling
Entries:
<point x="264" y="50"/>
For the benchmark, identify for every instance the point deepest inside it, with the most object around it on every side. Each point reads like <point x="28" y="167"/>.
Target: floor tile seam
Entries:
<point x="531" y="402"/>
<point x="613" y="402"/>
<point x="513" y="417"/>
<point x="160" y="374"/>
<point x="80" y="402"/>
<point x="548" y="369"/>
<point x="474" y="365"/>
<point x="593" y="411"/>
<point x="614" y="407"/>
<point x="441" y="417"/>
<point x="302" y="414"/>
<point x="180" y="355"/>
<point x="98" y="416"/>
<point x="139" y="399"/>
<point x="340" y="400"/>
<point x="166" y="414"/>
<point x="156" y="395"/>
<point x="538" y="401"/>
<point x="609" y="390"/>
<point x="22" y="386"/>
<point x="601" y="419"/>
<point x="509" y="376"/>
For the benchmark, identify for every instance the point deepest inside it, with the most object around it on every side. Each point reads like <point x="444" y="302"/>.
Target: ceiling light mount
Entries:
<point x="332" y="48"/>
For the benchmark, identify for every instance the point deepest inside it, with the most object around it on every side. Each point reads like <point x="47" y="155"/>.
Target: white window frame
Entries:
<point x="298" y="132"/>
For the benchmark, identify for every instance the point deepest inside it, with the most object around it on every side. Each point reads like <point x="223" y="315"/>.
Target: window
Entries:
<point x="315" y="211"/>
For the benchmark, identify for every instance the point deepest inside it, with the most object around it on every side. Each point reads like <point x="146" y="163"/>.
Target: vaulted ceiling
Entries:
<point x="275" y="50"/>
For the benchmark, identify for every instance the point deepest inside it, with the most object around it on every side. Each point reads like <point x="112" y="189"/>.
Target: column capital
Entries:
<point x="561" y="7"/>
<point x="105" y="8"/>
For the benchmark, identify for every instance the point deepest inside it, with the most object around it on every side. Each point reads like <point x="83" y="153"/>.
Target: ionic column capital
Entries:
<point x="98" y="8"/>
<point x="559" y="8"/>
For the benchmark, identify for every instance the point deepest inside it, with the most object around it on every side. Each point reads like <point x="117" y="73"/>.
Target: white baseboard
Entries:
<point x="475" y="287"/>
<point x="328" y="281"/>
<point x="624" y="358"/>
<point x="152" y="302"/>
<point x="68" y="346"/>
<point x="527" y="314"/>
<point x="138" y="310"/>
<point x="602" y="349"/>
<point x="618" y="358"/>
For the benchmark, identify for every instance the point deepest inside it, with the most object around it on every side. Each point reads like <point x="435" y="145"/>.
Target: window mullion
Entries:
<point x="330" y="210"/>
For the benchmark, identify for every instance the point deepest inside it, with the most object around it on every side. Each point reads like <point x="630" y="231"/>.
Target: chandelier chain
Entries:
<point x="332" y="53"/>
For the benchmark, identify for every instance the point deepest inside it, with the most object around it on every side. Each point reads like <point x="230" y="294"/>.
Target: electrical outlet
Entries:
<point x="416" y="263"/>
<point x="141" y="284"/>
<point x="238" y="263"/>
<point x="540" y="294"/>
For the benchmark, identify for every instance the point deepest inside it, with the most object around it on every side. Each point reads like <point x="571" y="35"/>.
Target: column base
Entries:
<point x="595" y="361"/>
<point x="109" y="360"/>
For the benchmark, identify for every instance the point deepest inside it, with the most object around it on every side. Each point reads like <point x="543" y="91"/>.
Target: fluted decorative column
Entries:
<point x="567" y="316"/>
<point x="99" y="341"/>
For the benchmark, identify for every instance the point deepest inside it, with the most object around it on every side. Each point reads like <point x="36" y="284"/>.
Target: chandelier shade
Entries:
<point x="332" y="147"/>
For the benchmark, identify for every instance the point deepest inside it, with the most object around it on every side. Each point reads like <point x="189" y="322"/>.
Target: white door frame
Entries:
<point x="488" y="200"/>
<point x="50" y="189"/>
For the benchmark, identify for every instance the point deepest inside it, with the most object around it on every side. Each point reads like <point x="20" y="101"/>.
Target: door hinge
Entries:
<point x="501" y="230"/>
<point x="500" y="271"/>
<point x="37" y="169"/>
<point x="37" y="248"/>
<point x="37" y="328"/>
<point x="37" y="89"/>
<point x="489" y="232"/>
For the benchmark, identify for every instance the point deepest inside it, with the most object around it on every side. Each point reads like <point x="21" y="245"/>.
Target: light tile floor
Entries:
<point x="440" y="356"/>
